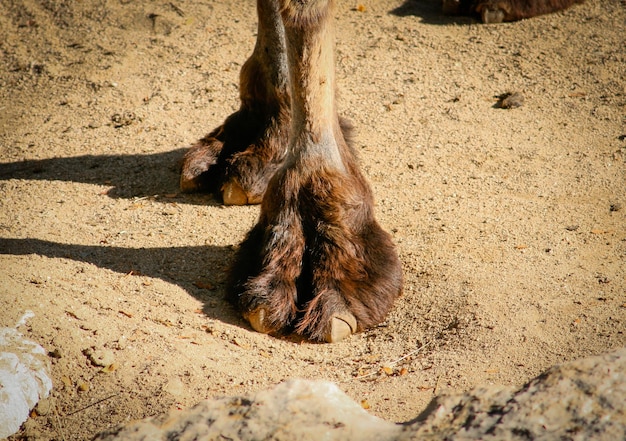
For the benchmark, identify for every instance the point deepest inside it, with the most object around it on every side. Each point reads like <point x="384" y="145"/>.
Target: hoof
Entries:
<point x="189" y="185"/>
<point x="258" y="320"/>
<point x="492" y="16"/>
<point x="233" y="194"/>
<point x="341" y="326"/>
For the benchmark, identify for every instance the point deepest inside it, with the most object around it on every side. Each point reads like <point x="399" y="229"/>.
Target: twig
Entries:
<point x="410" y="353"/>
<point x="60" y="427"/>
<point x="360" y="377"/>
<point x="92" y="404"/>
<point x="177" y="9"/>
<point x="393" y="363"/>
<point x="436" y="385"/>
<point x="143" y="198"/>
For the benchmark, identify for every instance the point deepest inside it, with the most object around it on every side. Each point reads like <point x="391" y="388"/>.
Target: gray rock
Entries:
<point x="294" y="410"/>
<point x="581" y="400"/>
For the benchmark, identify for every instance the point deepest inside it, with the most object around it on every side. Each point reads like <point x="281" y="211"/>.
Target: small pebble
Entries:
<point x="174" y="387"/>
<point x="44" y="406"/>
<point x="100" y="357"/>
<point x="511" y="100"/>
<point x="55" y="353"/>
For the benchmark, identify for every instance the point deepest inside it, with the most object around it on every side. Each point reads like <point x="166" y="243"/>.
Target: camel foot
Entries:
<point x="317" y="262"/>
<point x="198" y="160"/>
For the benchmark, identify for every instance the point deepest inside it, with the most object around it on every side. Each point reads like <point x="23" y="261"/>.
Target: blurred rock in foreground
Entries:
<point x="581" y="400"/>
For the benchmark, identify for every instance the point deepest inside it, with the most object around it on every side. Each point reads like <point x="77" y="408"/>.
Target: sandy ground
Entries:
<point x="510" y="224"/>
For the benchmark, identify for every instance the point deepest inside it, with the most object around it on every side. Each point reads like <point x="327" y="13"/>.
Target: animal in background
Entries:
<point x="499" y="11"/>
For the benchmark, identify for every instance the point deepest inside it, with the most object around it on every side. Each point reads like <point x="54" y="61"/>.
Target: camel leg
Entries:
<point x="237" y="160"/>
<point x="317" y="262"/>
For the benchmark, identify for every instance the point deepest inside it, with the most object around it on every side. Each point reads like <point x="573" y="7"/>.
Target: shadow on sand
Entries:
<point x="133" y="176"/>
<point x="129" y="176"/>
<point x="183" y="266"/>
<point x="430" y="13"/>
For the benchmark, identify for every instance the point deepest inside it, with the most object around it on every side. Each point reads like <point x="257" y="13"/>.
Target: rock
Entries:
<point x="585" y="399"/>
<point x="174" y="387"/>
<point x="581" y="400"/>
<point x="24" y="377"/>
<point x="44" y="406"/>
<point x="82" y="386"/>
<point x="99" y="357"/>
<point x="511" y="100"/>
<point x="55" y="353"/>
<point x="294" y="410"/>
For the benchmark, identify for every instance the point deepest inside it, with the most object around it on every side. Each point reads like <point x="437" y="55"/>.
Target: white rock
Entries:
<point x="24" y="377"/>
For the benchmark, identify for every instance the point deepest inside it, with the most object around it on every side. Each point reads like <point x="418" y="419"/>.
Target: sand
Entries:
<point x="510" y="223"/>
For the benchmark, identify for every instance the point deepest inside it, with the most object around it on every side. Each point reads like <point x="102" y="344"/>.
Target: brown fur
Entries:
<point x="317" y="250"/>
<point x="250" y="146"/>
<point x="305" y="14"/>
<point x="317" y="253"/>
<point x="498" y="11"/>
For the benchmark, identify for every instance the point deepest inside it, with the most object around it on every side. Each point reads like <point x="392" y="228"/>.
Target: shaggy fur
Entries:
<point x="498" y="11"/>
<point x="317" y="263"/>
<point x="317" y="251"/>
